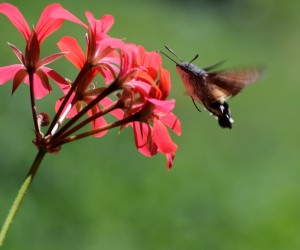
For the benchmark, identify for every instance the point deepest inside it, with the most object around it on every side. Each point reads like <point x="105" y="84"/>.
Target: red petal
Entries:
<point x="118" y="113"/>
<point x="107" y="71"/>
<point x="142" y="87"/>
<point x="51" y="20"/>
<point x="61" y="82"/>
<point x="162" y="138"/>
<point x="102" y="25"/>
<point x="163" y="106"/>
<point x="16" y="18"/>
<point x="164" y="83"/>
<point x="44" y="80"/>
<point x="148" y="59"/>
<point x="75" y="53"/>
<point x="73" y="110"/>
<point x="17" y="52"/>
<point x="145" y="77"/>
<point x="40" y="90"/>
<point x="170" y="157"/>
<point x="50" y="59"/>
<point x="61" y="13"/>
<point x="143" y="139"/>
<point x="172" y="122"/>
<point x="98" y="123"/>
<point x="8" y="72"/>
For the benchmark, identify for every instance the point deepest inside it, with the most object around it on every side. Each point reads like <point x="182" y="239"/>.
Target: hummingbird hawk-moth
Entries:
<point x="213" y="88"/>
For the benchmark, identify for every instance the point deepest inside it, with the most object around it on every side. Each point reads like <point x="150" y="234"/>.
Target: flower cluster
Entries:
<point x="114" y="78"/>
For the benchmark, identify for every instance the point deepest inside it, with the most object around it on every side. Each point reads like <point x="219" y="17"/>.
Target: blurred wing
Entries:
<point x="230" y="83"/>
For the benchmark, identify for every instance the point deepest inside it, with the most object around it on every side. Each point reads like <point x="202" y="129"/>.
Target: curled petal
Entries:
<point x="16" y="18"/>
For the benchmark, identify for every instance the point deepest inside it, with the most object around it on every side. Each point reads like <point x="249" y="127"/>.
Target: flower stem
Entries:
<point x="77" y="81"/>
<point x="98" y="130"/>
<point x="107" y="91"/>
<point x="21" y="194"/>
<point x="86" y="121"/>
<point x="33" y="107"/>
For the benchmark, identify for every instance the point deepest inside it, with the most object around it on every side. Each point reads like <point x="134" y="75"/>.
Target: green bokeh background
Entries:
<point x="228" y="189"/>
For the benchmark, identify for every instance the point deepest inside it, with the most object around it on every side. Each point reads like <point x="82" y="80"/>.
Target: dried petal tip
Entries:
<point x="43" y="119"/>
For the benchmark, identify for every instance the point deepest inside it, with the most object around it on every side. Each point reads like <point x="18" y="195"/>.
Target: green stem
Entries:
<point x="21" y="194"/>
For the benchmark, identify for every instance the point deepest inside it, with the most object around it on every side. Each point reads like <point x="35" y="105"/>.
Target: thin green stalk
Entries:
<point x="21" y="194"/>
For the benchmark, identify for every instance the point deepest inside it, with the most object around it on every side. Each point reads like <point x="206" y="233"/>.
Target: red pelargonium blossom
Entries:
<point x="147" y="85"/>
<point x="31" y="64"/>
<point x="151" y="135"/>
<point x="101" y="57"/>
<point x="140" y="84"/>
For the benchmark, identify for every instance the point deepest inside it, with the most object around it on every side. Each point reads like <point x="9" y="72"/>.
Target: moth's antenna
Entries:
<point x="167" y="56"/>
<point x="193" y="59"/>
<point x="169" y="49"/>
<point x="213" y="66"/>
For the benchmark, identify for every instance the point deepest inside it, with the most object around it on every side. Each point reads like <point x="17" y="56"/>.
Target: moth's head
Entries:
<point x="181" y="66"/>
<point x="186" y="66"/>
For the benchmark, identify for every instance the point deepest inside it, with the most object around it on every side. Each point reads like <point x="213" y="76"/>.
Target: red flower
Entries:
<point x="100" y="57"/>
<point x="148" y="85"/>
<point x="151" y="135"/>
<point x="136" y="77"/>
<point x="31" y="65"/>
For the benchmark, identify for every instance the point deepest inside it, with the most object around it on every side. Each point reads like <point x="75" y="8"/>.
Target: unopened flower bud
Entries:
<point x="43" y="119"/>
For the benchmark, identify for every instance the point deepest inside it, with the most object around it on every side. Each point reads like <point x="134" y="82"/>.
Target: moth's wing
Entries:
<point x="229" y="83"/>
<point x="215" y="93"/>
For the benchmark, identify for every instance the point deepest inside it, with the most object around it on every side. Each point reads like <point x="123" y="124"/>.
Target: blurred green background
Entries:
<point x="228" y="189"/>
